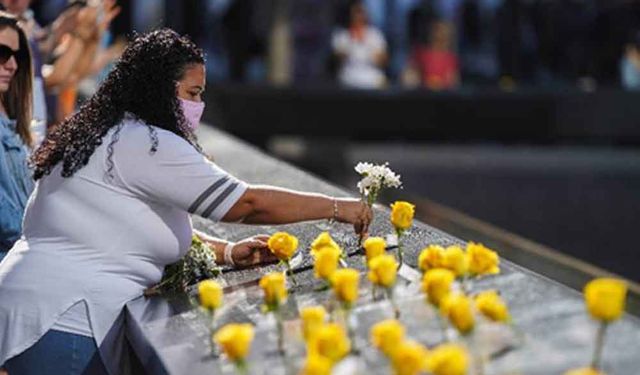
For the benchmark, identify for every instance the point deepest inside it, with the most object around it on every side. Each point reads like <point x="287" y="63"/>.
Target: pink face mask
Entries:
<point x="192" y="112"/>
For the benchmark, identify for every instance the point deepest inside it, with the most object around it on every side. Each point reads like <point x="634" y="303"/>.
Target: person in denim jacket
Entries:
<point x="16" y="182"/>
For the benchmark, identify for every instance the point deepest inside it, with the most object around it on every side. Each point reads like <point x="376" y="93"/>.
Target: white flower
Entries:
<point x="375" y="178"/>
<point x="364" y="168"/>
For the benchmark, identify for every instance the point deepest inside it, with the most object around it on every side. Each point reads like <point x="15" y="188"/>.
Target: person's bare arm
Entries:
<point x="272" y="205"/>
<point x="248" y="252"/>
<point x="380" y="58"/>
<point x="62" y="69"/>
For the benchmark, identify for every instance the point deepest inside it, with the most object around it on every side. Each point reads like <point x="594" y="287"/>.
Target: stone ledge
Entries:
<point x="558" y="332"/>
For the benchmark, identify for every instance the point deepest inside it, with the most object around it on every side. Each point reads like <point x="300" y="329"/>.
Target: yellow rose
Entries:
<point x="316" y="365"/>
<point x="235" y="340"/>
<point x="584" y="371"/>
<point x="455" y="260"/>
<point x="312" y="319"/>
<point x="436" y="284"/>
<point x="459" y="309"/>
<point x="430" y="257"/>
<point x="331" y="342"/>
<point x="402" y="215"/>
<point x="345" y="284"/>
<point x="448" y="359"/>
<point x="374" y="246"/>
<point x="323" y="240"/>
<point x="482" y="261"/>
<point x="387" y="335"/>
<point x="605" y="298"/>
<point x="274" y="287"/>
<point x="492" y="306"/>
<point x="210" y="293"/>
<point x="283" y="245"/>
<point x="409" y="358"/>
<point x="383" y="270"/>
<point x="326" y="262"/>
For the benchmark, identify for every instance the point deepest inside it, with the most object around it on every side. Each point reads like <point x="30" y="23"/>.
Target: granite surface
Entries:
<point x="551" y="334"/>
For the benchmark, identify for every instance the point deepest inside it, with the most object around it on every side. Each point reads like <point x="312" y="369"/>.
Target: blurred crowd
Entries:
<point x="438" y="44"/>
<point x="435" y="44"/>
<point x="72" y="46"/>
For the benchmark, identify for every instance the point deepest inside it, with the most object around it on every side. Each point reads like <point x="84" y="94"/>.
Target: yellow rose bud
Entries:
<point x="323" y="240"/>
<point x="210" y="293"/>
<point x="274" y="287"/>
<point x="481" y="260"/>
<point x="312" y="319"/>
<point x="492" y="306"/>
<point x="316" y="365"/>
<point x="345" y="284"/>
<point x="605" y="298"/>
<point x="436" y="284"/>
<point x="402" y="215"/>
<point x="448" y="359"/>
<point x="409" y="358"/>
<point x="283" y="245"/>
<point x="430" y="257"/>
<point x="584" y="371"/>
<point x="383" y="270"/>
<point x="455" y="260"/>
<point x="326" y="262"/>
<point x="387" y="335"/>
<point x="235" y="340"/>
<point x="459" y="309"/>
<point x="374" y="246"/>
<point x="331" y="342"/>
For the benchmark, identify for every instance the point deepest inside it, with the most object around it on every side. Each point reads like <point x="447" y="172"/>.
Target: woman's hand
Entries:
<point x="356" y="212"/>
<point x="252" y="251"/>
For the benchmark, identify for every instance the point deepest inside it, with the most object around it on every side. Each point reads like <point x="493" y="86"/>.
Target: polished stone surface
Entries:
<point x="552" y="331"/>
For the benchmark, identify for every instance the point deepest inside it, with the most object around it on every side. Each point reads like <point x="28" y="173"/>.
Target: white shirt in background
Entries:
<point x="358" y="69"/>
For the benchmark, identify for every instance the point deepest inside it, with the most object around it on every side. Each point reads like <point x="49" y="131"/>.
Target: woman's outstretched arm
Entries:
<point x="273" y="205"/>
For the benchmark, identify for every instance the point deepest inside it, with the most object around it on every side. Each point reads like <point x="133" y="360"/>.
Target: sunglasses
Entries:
<point x="6" y="53"/>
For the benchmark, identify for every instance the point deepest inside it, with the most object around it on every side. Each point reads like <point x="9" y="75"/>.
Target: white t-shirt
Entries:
<point x="359" y="68"/>
<point x="103" y="240"/>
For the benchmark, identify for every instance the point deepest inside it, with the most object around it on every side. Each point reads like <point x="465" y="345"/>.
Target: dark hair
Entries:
<point x="143" y="83"/>
<point x="17" y="100"/>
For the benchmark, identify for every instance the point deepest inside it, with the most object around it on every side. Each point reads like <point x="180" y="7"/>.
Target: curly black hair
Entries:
<point x="143" y="83"/>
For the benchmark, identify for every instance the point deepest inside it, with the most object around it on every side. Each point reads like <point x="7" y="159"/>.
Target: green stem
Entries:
<point x="396" y="310"/>
<point x="399" y="250"/>
<point x="241" y="366"/>
<point x="212" y="330"/>
<point x="280" y="328"/>
<point x="477" y="353"/>
<point x="350" y="332"/>
<point x="466" y="284"/>
<point x="597" y="352"/>
<point x="290" y="273"/>
<point x="443" y="324"/>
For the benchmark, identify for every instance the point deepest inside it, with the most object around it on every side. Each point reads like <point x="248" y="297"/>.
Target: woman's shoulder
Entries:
<point x="136" y="134"/>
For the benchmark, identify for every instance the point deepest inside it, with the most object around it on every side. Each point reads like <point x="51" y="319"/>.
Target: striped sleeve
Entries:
<point x="178" y="175"/>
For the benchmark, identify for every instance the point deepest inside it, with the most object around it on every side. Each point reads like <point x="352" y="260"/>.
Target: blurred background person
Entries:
<point x="436" y="63"/>
<point x="64" y="52"/>
<point x="361" y="51"/>
<point x="16" y="181"/>
<point x="630" y="64"/>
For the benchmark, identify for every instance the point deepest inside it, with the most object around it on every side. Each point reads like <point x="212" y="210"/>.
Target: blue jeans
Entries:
<point x="59" y="353"/>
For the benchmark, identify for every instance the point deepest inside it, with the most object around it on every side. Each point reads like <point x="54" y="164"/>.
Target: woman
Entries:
<point x="117" y="182"/>
<point x="361" y="50"/>
<point x="16" y="182"/>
